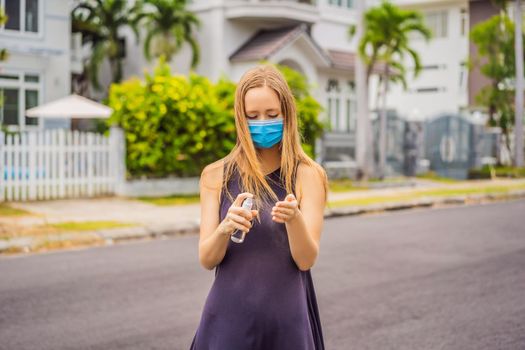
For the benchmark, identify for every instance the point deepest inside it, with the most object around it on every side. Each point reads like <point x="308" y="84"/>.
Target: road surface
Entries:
<point x="448" y="278"/>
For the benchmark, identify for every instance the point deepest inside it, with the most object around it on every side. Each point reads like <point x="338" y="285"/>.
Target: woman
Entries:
<point x="263" y="296"/>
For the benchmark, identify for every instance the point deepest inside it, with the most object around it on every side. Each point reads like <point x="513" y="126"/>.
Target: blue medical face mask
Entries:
<point x="266" y="133"/>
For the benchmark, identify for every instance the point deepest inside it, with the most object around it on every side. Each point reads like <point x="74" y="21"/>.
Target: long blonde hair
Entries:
<point x="244" y="157"/>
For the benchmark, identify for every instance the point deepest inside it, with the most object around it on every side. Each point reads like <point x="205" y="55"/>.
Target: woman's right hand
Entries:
<point x="237" y="217"/>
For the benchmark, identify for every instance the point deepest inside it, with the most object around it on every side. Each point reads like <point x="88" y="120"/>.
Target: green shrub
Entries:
<point x="174" y="125"/>
<point x="177" y="124"/>
<point x="500" y="171"/>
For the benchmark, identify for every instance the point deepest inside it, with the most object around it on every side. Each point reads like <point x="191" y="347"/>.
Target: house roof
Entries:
<point x="346" y="60"/>
<point x="267" y="42"/>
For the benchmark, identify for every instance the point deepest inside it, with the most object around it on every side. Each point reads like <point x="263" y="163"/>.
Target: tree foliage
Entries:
<point x="175" y="124"/>
<point x="168" y="26"/>
<point x="100" y="21"/>
<point x="386" y="39"/>
<point x="494" y="39"/>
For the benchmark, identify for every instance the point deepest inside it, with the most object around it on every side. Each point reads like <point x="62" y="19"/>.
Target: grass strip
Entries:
<point x="425" y="193"/>
<point x="171" y="200"/>
<point x="6" y="210"/>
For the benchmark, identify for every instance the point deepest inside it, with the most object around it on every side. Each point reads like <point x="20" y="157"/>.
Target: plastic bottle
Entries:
<point x="238" y="235"/>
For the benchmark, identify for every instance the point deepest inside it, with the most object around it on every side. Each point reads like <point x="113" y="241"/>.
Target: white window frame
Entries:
<point x="440" y="32"/>
<point x="442" y="25"/>
<point x="333" y="103"/>
<point x="22" y="86"/>
<point x="346" y="4"/>
<point x="464" y="22"/>
<point x="22" y="32"/>
<point x="350" y="98"/>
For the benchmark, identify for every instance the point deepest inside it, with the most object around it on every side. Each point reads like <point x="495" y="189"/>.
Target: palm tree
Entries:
<point x="100" y="21"/>
<point x="169" y="25"/>
<point x="518" y="51"/>
<point x="385" y="41"/>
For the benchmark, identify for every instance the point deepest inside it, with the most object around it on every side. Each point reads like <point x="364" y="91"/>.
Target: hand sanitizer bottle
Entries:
<point x="238" y="235"/>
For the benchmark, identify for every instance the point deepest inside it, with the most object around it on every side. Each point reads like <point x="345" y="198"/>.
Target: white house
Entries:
<point x="442" y="86"/>
<point x="312" y="37"/>
<point x="308" y="35"/>
<point x="37" y="36"/>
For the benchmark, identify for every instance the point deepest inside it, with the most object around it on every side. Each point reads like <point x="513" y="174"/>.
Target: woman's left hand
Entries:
<point x="286" y="210"/>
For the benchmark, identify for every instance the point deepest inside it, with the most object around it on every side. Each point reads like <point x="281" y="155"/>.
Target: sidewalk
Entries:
<point x="159" y="221"/>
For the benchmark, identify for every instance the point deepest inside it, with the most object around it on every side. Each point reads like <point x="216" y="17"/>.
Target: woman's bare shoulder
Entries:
<point x="310" y="171"/>
<point x="211" y="176"/>
<point x="311" y="176"/>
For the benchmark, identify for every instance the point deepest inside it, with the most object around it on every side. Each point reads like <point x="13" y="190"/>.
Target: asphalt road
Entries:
<point x="449" y="278"/>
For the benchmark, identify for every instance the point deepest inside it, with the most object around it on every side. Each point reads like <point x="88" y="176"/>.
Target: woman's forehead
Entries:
<point x="261" y="98"/>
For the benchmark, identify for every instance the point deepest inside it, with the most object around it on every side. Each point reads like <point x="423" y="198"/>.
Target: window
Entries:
<point x="437" y="21"/>
<point x="19" y="92"/>
<point x="351" y="107"/>
<point x="342" y="3"/>
<point x="463" y="71"/>
<point x="23" y="15"/>
<point x="341" y="106"/>
<point x="10" y="106"/>
<point x="463" y="24"/>
<point x="333" y="91"/>
<point x="430" y="89"/>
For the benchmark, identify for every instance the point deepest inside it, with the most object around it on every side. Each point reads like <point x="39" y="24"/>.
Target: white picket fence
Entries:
<point x="59" y="163"/>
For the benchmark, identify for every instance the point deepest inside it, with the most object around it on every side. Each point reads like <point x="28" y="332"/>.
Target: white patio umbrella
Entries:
<point x="72" y="106"/>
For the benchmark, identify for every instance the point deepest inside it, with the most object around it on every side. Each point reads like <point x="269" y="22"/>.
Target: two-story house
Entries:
<point x="37" y="36"/>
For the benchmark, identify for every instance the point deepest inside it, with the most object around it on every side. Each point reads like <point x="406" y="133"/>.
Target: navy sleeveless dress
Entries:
<point x="259" y="299"/>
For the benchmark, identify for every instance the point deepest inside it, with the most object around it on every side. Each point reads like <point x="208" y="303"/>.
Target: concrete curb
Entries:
<point x="108" y="237"/>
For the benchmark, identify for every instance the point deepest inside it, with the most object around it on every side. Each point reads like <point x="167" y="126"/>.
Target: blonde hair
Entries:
<point x="244" y="157"/>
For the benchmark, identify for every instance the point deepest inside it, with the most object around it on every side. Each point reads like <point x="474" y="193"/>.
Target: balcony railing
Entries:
<point x="308" y="2"/>
<point x="285" y="10"/>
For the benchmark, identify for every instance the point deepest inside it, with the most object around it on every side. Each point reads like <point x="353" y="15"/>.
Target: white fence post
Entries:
<point x="61" y="163"/>
<point x="117" y="159"/>
<point x="58" y="163"/>
<point x="90" y="164"/>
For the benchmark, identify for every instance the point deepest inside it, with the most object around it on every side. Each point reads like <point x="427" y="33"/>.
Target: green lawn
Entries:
<point x="89" y="225"/>
<point x="171" y="200"/>
<point x="426" y="193"/>
<point x="6" y="210"/>
<point x="61" y="227"/>
<point x="431" y="175"/>
<point x="344" y="185"/>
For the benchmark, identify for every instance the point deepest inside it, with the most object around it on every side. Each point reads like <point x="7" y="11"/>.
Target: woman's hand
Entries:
<point x="286" y="210"/>
<point x="237" y="217"/>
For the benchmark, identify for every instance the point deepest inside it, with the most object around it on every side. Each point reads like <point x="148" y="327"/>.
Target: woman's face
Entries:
<point x="262" y="103"/>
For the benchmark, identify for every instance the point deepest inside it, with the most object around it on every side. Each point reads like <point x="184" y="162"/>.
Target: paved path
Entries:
<point x="450" y="278"/>
<point x="126" y="210"/>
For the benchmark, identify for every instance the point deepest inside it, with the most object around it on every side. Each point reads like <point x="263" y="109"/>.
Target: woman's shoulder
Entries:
<point x="211" y="175"/>
<point x="311" y="175"/>
<point x="310" y="169"/>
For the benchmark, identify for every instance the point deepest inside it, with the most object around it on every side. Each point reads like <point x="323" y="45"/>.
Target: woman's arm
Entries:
<point x="304" y="225"/>
<point x="213" y="238"/>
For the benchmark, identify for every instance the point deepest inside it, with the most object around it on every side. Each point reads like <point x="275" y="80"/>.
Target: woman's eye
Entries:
<point x="274" y="116"/>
